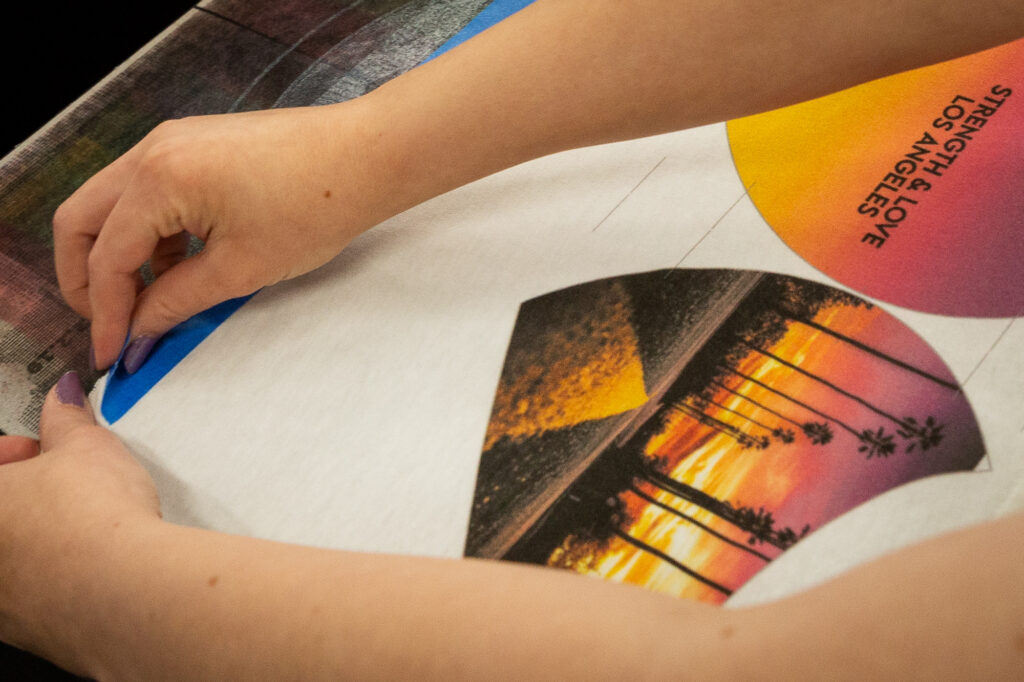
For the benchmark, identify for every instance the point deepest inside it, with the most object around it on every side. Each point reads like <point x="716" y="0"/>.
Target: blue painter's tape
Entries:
<point x="124" y="390"/>
<point x="489" y="16"/>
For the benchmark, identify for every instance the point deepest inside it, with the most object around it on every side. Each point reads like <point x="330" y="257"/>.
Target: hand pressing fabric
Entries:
<point x="92" y="578"/>
<point x="261" y="189"/>
<point x="276" y="194"/>
<point x="63" y="501"/>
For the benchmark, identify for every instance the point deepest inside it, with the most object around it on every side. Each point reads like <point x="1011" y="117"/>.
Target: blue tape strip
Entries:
<point x="489" y="16"/>
<point x="124" y="390"/>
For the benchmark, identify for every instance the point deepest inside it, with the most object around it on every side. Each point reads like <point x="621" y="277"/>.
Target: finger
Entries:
<point x="17" y="448"/>
<point x="78" y="221"/>
<point x="66" y="409"/>
<point x="187" y="289"/>
<point x="169" y="252"/>
<point x="129" y="237"/>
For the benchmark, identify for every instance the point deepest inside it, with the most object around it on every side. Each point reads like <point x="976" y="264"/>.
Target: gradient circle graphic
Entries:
<point x="909" y="188"/>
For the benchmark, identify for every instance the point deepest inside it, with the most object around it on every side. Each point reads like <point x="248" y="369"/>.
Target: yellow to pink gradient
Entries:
<point x="909" y="188"/>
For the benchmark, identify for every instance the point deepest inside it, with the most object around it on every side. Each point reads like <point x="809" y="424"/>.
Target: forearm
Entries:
<point x="568" y="73"/>
<point x="949" y="608"/>
<point x="167" y="602"/>
<point x="274" y="194"/>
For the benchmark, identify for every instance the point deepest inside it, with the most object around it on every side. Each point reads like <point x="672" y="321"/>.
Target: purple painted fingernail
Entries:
<point x="137" y="352"/>
<point x="70" y="391"/>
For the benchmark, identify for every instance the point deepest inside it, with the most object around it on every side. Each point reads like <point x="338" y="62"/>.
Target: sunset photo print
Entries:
<point x="680" y="429"/>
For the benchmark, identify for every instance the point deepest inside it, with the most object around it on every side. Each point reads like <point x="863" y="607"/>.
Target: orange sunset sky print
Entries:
<point x="816" y="172"/>
<point x="772" y="406"/>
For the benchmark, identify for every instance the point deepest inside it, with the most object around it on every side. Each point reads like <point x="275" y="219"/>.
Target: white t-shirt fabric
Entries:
<point x="348" y="408"/>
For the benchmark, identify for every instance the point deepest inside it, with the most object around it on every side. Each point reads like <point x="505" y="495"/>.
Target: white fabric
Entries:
<point x="348" y="408"/>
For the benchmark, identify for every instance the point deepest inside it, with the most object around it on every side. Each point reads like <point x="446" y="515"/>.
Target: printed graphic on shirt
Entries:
<point x="679" y="429"/>
<point x="907" y="188"/>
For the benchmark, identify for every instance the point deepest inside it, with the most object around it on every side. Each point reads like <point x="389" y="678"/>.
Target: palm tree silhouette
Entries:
<point x="649" y="470"/>
<point x="634" y="489"/>
<point x="819" y="433"/>
<point x="743" y="439"/>
<point x="759" y="522"/>
<point x="874" y="443"/>
<point x="877" y="443"/>
<point x="610" y="524"/>
<point x="806" y="321"/>
<point x="789" y="537"/>
<point x="928" y="435"/>
<point x="784" y="434"/>
<point x="908" y="427"/>
<point x="791" y="300"/>
<point x="771" y="430"/>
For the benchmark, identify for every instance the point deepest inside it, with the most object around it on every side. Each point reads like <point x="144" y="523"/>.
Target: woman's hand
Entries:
<point x="91" y="578"/>
<point x="63" y="499"/>
<point x="273" y="194"/>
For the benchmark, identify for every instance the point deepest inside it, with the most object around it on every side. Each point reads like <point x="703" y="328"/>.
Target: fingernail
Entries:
<point x="137" y="352"/>
<point x="70" y="391"/>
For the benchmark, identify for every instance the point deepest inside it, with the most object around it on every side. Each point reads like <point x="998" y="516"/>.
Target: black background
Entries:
<point x="55" y="51"/>
<point x="50" y="54"/>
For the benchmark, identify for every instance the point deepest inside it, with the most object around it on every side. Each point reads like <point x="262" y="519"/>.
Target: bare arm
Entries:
<point x="568" y="73"/>
<point x="120" y="594"/>
<point x="560" y="74"/>
<point x="92" y="578"/>
<point x="947" y="609"/>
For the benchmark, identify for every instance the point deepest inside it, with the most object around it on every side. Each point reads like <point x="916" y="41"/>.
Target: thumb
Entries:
<point x="66" y="409"/>
<point x="186" y="289"/>
<point x="17" y="448"/>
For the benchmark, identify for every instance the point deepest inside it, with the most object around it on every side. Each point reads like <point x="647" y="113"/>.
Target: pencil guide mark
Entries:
<point x="628" y="194"/>
<point x="987" y="353"/>
<point x="746" y="191"/>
